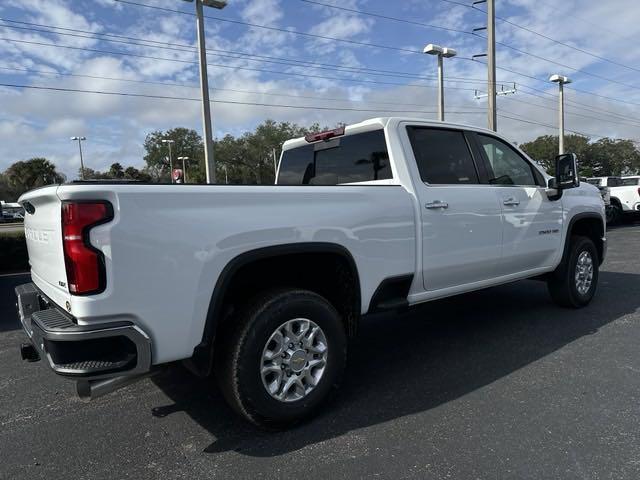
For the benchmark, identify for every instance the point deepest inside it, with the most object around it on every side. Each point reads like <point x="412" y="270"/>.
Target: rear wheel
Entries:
<point x="574" y="284"/>
<point x="281" y="358"/>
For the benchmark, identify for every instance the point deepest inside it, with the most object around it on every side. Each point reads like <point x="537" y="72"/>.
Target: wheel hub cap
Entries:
<point x="293" y="360"/>
<point x="584" y="273"/>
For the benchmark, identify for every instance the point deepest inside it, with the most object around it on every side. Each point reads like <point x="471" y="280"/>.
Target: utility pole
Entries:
<point x="491" y="65"/>
<point x="560" y="80"/>
<point x="80" y="140"/>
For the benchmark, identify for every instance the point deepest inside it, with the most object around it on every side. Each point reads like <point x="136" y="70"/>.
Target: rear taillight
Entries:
<point x="84" y="263"/>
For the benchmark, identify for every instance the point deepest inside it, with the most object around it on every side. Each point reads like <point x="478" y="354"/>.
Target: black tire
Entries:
<point x="562" y="283"/>
<point x="239" y="359"/>
<point x="613" y="213"/>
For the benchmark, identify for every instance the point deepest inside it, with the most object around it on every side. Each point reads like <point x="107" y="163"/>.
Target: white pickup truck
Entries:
<point x="263" y="285"/>
<point x="624" y="195"/>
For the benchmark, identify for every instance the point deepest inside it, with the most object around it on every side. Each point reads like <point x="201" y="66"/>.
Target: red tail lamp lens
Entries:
<point x="84" y="263"/>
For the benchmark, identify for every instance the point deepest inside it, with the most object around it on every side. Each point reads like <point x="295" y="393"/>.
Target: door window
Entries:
<point x="442" y="156"/>
<point x="507" y="167"/>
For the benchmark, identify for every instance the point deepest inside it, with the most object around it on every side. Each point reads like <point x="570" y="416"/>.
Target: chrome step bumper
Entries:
<point x="87" y="352"/>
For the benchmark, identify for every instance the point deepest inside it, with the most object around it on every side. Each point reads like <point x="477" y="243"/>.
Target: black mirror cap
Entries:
<point x="567" y="171"/>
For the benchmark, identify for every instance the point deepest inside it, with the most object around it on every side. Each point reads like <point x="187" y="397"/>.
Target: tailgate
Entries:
<point x="43" y="231"/>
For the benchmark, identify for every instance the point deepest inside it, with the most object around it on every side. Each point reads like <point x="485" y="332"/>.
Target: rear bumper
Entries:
<point x="81" y="351"/>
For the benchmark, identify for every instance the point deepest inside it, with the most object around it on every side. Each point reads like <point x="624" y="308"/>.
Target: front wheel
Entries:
<point x="613" y="214"/>
<point x="574" y="283"/>
<point x="281" y="357"/>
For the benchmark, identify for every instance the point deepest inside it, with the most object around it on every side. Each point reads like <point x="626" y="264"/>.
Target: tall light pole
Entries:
<point x="204" y="86"/>
<point x="184" y="168"/>
<point x="440" y="52"/>
<point x="168" y="142"/>
<point x="80" y="140"/>
<point x="561" y="81"/>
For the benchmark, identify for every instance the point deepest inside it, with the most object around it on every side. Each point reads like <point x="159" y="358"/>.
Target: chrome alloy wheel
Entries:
<point x="294" y="360"/>
<point x="584" y="272"/>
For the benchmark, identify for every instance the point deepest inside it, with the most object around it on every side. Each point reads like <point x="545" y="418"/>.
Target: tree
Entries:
<point x="116" y="171"/>
<point x="5" y="192"/>
<point x="26" y="175"/>
<point x="187" y="143"/>
<point x="611" y="157"/>
<point x="544" y="149"/>
<point x="248" y="159"/>
<point x="604" y="157"/>
<point x="132" y="173"/>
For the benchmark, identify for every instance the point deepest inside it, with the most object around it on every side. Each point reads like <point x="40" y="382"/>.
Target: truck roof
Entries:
<point x="381" y="122"/>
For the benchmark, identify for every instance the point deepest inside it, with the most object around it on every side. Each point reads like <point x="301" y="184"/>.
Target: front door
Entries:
<point x="461" y="218"/>
<point x="532" y="224"/>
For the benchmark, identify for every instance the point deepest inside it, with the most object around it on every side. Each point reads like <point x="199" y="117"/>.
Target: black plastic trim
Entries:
<point x="391" y="294"/>
<point x="572" y="222"/>
<point x="201" y="361"/>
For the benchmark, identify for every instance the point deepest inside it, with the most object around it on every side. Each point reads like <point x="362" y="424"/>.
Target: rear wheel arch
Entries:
<point x="289" y="265"/>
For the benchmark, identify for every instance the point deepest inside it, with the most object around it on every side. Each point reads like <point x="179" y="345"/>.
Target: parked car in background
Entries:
<point x="604" y="192"/>
<point x="264" y="284"/>
<point x="624" y="195"/>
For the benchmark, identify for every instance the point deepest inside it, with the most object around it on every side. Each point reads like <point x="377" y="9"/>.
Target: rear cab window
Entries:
<point x="627" y="182"/>
<point x="355" y="158"/>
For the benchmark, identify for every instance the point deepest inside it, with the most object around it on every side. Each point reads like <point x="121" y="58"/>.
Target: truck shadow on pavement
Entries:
<point x="402" y="364"/>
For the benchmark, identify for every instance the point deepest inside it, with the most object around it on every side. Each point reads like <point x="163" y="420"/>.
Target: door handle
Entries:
<point x="436" y="204"/>
<point x="511" y="202"/>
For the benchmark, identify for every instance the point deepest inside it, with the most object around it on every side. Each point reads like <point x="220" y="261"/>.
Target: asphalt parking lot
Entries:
<point x="495" y="384"/>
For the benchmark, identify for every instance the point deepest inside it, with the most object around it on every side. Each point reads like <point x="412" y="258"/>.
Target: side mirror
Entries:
<point x="566" y="172"/>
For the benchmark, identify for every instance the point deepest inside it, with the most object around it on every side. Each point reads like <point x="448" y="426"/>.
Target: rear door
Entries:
<point x="532" y="224"/>
<point x="461" y="217"/>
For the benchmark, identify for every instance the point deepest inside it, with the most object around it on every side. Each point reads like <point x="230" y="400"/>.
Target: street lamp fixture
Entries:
<point x="204" y="86"/>
<point x="80" y="140"/>
<point x="169" y="142"/>
<point x="184" y="168"/>
<point x="561" y="81"/>
<point x="440" y="52"/>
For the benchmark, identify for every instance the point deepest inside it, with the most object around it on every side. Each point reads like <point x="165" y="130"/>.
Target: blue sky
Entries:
<point x="382" y="81"/>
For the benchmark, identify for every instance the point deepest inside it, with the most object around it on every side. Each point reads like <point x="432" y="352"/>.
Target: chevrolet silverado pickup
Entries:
<point x="624" y="195"/>
<point x="262" y="286"/>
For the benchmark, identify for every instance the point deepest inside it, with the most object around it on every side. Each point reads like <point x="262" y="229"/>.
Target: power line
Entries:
<point x="233" y="67"/>
<point x="517" y="118"/>
<point x="523" y="52"/>
<point x="353" y="42"/>
<point x="194" y="86"/>
<point x="277" y="29"/>
<point x="591" y="117"/>
<point x="564" y="65"/>
<point x="564" y="44"/>
<point x="259" y="58"/>
<point x="386" y="17"/>
<point x="553" y="97"/>
<point x="232" y="102"/>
